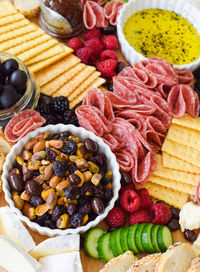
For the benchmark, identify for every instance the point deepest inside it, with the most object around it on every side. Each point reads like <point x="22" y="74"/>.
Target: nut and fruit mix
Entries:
<point x="61" y="182"/>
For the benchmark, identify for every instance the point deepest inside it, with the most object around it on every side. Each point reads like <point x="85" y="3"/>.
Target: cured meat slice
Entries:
<point x="181" y="99"/>
<point x="36" y="122"/>
<point x="185" y="77"/>
<point x="164" y="89"/>
<point x="125" y="160"/>
<point x="111" y="11"/>
<point x="141" y="65"/>
<point x="110" y="140"/>
<point x="93" y="15"/>
<point x="123" y="91"/>
<point x="116" y="101"/>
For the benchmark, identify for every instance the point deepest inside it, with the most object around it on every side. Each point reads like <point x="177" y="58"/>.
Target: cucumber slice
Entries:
<point x="138" y="237"/>
<point x="131" y="238"/>
<point x="165" y="238"/>
<point x="154" y="239"/>
<point x="103" y="248"/>
<point x="115" y="242"/>
<point x="146" y="238"/>
<point x="124" y="239"/>
<point x="90" y="242"/>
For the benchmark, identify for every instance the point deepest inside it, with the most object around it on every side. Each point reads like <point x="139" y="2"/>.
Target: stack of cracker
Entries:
<point x="178" y="170"/>
<point x="57" y="71"/>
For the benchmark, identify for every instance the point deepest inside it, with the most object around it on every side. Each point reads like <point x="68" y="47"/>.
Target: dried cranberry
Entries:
<point x="71" y="192"/>
<point x="36" y="200"/>
<point x="50" y="154"/>
<point x="58" y="210"/>
<point x="72" y="168"/>
<point x="50" y="224"/>
<point x="59" y="168"/>
<point x="76" y="220"/>
<point x="83" y="200"/>
<point x="98" y="190"/>
<point x="42" y="219"/>
<point x="87" y="187"/>
<point x="71" y="147"/>
<point x="65" y="135"/>
<point x="85" y="209"/>
<point x="71" y="209"/>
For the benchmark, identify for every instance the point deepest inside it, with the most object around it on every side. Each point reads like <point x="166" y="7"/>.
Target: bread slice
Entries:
<point x="177" y="258"/>
<point x="120" y="263"/>
<point x="145" y="264"/>
<point x="195" y="265"/>
<point x="29" y="8"/>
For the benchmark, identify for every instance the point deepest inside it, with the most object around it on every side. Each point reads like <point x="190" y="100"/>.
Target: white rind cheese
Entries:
<point x="56" y="245"/>
<point x="189" y="216"/>
<point x="69" y="262"/>
<point x="11" y="226"/>
<point x="14" y="259"/>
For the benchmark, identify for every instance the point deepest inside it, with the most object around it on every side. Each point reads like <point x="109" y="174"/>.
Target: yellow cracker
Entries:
<point x="10" y="19"/>
<point x="36" y="67"/>
<point x="22" y="48"/>
<point x="6" y="9"/>
<point x="173" y="184"/>
<point x="67" y="88"/>
<point x="98" y="82"/>
<point x="179" y="176"/>
<point x="15" y="25"/>
<point x="17" y="32"/>
<point x="187" y="121"/>
<point x="183" y="152"/>
<point x="56" y="69"/>
<point x="170" y="196"/>
<point x="20" y="40"/>
<point x="84" y="86"/>
<point x="37" y="50"/>
<point x="178" y="164"/>
<point x="57" y="82"/>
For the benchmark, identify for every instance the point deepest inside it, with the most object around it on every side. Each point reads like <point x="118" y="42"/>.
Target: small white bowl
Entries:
<point x="82" y="134"/>
<point x="182" y="7"/>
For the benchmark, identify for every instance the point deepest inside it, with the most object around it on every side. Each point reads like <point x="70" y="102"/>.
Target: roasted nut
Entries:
<point x="52" y="200"/>
<point x="96" y="178"/>
<point x="56" y="143"/>
<point x="74" y="179"/>
<point x="56" y="150"/>
<point x="45" y="185"/>
<point x="87" y="176"/>
<point x="41" y="209"/>
<point x="48" y="172"/>
<point x="63" y="184"/>
<point x="31" y="213"/>
<point x="93" y="167"/>
<point x="25" y="209"/>
<point x="85" y="219"/>
<point x="77" y="140"/>
<point x="33" y="188"/>
<point x="16" y="182"/>
<point x="61" y="200"/>
<point x="109" y="175"/>
<point x="63" y="221"/>
<point x="72" y="138"/>
<point x="45" y="162"/>
<point x="30" y="144"/>
<point x="25" y="196"/>
<point x="78" y="173"/>
<point x="39" y="146"/>
<point x="82" y="163"/>
<point x="34" y="165"/>
<point x="26" y="155"/>
<point x="81" y="152"/>
<point x="73" y="158"/>
<point x="62" y="157"/>
<point x="42" y="169"/>
<point x="29" y="175"/>
<point x="90" y="145"/>
<point x="43" y="136"/>
<point x="38" y="156"/>
<point x="45" y="193"/>
<point x="19" y="160"/>
<point x="15" y="171"/>
<point x="17" y="200"/>
<point x="54" y="181"/>
<point x="39" y="179"/>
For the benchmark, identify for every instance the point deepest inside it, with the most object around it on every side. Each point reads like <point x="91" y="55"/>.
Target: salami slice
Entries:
<point x="125" y="160"/>
<point x="164" y="89"/>
<point x="36" y="122"/>
<point x="185" y="77"/>
<point x="111" y="11"/>
<point x="110" y="140"/>
<point x="121" y="90"/>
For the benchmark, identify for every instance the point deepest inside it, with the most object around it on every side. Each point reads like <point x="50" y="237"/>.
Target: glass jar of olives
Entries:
<point x="18" y="89"/>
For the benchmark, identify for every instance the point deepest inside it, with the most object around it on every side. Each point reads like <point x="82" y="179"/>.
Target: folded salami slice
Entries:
<point x="185" y="77"/>
<point x="123" y="91"/>
<point x="164" y="89"/>
<point x="111" y="11"/>
<point x="111" y="141"/>
<point x="125" y="160"/>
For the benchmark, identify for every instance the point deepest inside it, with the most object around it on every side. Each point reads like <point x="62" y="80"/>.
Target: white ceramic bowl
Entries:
<point x="182" y="7"/>
<point x="82" y="134"/>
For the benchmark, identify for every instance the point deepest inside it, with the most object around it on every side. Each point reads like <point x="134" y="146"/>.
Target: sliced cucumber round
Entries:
<point x="124" y="239"/>
<point x="115" y="242"/>
<point x="165" y="238"/>
<point x="154" y="239"/>
<point x="103" y="248"/>
<point x="90" y="242"/>
<point x="146" y="238"/>
<point x="131" y="238"/>
<point x="138" y="237"/>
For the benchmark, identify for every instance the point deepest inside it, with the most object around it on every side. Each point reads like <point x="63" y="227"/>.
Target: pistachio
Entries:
<point x="39" y="146"/>
<point x="60" y="200"/>
<point x="54" y="181"/>
<point x="93" y="167"/>
<point x="42" y="169"/>
<point x="63" y="221"/>
<point x="48" y="172"/>
<point x="80" y="150"/>
<point x="39" y="179"/>
<point x="73" y="158"/>
<point x="31" y="213"/>
<point x="63" y="184"/>
<point x="41" y="209"/>
<point x="85" y="219"/>
<point x="78" y="173"/>
<point x="19" y="160"/>
<point x="109" y="175"/>
<point x="19" y="203"/>
<point x="87" y="176"/>
<point x="56" y="143"/>
<point x="82" y="163"/>
<point x="52" y="200"/>
<point x="38" y="156"/>
<point x="43" y="136"/>
<point x="62" y="157"/>
<point x="26" y="155"/>
<point x="25" y="196"/>
<point x="34" y="165"/>
<point x="68" y="201"/>
<point x="25" y="209"/>
<point x="45" y="162"/>
<point x="45" y="193"/>
<point x="96" y="178"/>
<point x="30" y="144"/>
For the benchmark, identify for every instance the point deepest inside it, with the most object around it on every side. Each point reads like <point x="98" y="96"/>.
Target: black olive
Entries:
<point x="8" y="96"/>
<point x="9" y="66"/>
<point x="18" y="80"/>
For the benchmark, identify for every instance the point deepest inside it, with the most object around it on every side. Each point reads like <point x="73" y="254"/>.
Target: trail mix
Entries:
<point x="60" y="182"/>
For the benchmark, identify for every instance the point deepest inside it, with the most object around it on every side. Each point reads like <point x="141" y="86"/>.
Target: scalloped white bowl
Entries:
<point x="82" y="134"/>
<point x="182" y="7"/>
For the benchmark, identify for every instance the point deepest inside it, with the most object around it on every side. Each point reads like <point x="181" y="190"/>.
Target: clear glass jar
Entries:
<point x="30" y="98"/>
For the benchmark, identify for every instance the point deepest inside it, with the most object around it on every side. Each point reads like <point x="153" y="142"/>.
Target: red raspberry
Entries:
<point x="85" y="54"/>
<point x="107" y="68"/>
<point x="116" y="217"/>
<point x="95" y="45"/>
<point x="108" y="54"/>
<point x="75" y="44"/>
<point x="130" y="201"/>
<point x="146" y="201"/>
<point x="110" y="42"/>
<point x="140" y="216"/>
<point x="93" y="33"/>
<point x="161" y="213"/>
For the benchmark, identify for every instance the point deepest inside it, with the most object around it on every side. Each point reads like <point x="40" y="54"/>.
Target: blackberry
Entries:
<point x="50" y="119"/>
<point x="67" y="116"/>
<point x="43" y="109"/>
<point x="59" y="168"/>
<point x="197" y="87"/>
<point x="59" y="104"/>
<point x="76" y="220"/>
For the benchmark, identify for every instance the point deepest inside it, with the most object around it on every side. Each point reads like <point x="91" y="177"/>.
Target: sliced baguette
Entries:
<point x="147" y="263"/>
<point x="195" y="265"/>
<point x="176" y="259"/>
<point x="29" y="8"/>
<point x="120" y="263"/>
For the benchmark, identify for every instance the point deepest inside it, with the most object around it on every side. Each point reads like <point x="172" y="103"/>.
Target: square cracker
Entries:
<point x="187" y="121"/>
<point x="15" y="25"/>
<point x="21" y="39"/>
<point x="172" y="162"/>
<point x="22" y="48"/>
<point x="76" y="81"/>
<point x="10" y="19"/>
<point x="170" y="196"/>
<point x="37" y="50"/>
<point x="182" y="152"/>
<point x="6" y="9"/>
<point x="56" y="69"/>
<point x="17" y="32"/>
<point x="95" y="84"/>
<point x="59" y="81"/>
